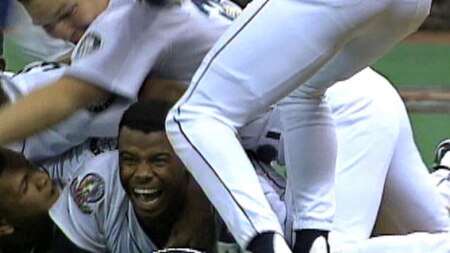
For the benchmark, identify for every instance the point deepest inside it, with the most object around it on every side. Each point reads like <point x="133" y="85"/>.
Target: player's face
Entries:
<point x="65" y="19"/>
<point x="26" y="192"/>
<point x="151" y="173"/>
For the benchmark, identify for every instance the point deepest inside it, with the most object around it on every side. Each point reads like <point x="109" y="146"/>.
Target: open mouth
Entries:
<point x="147" y="197"/>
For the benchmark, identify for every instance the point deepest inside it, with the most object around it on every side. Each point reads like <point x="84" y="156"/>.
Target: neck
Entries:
<point x="160" y="228"/>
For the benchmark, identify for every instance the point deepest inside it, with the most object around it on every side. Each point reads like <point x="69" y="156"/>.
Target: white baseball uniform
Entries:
<point x="101" y="121"/>
<point x="377" y="164"/>
<point x="174" y="37"/>
<point x="271" y="49"/>
<point x="95" y="213"/>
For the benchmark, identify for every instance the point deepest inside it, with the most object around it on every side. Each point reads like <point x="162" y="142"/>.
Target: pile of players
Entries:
<point x="95" y="150"/>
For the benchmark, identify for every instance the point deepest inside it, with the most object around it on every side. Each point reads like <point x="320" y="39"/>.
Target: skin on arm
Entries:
<point x="162" y="89"/>
<point x="46" y="107"/>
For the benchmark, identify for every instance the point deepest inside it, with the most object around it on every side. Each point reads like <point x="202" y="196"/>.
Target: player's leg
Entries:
<point x="366" y="129"/>
<point x="369" y="42"/>
<point x="411" y="201"/>
<point x="227" y="90"/>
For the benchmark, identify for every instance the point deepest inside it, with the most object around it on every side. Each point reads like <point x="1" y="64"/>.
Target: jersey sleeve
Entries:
<point x="80" y="211"/>
<point x="113" y="45"/>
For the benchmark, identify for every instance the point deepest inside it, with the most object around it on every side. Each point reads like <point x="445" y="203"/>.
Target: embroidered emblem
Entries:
<point x="88" y="191"/>
<point x="88" y="44"/>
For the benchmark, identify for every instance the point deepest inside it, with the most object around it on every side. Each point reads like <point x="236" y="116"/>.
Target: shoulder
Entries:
<point x="94" y="181"/>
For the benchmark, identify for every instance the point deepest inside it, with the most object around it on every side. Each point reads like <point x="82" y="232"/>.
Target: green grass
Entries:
<point x="419" y="65"/>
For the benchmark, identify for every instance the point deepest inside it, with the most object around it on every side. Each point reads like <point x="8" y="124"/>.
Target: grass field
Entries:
<point x="419" y="64"/>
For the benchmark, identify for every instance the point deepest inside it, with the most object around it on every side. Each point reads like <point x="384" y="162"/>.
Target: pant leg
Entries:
<point x="411" y="201"/>
<point x="268" y="51"/>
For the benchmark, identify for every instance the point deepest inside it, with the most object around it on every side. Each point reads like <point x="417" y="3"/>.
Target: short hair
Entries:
<point x="10" y="159"/>
<point x="146" y="116"/>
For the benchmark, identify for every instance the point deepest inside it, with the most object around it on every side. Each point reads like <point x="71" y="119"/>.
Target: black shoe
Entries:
<point x="311" y="241"/>
<point x="268" y="243"/>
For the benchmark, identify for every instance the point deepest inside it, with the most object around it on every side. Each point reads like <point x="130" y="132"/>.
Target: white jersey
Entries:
<point x="95" y="213"/>
<point x="63" y="167"/>
<point x="100" y="121"/>
<point x="131" y="40"/>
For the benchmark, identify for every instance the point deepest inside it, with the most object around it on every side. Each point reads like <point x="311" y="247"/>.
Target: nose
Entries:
<point x="143" y="171"/>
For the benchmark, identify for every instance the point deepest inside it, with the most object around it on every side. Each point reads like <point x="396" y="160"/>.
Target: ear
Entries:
<point x="5" y="228"/>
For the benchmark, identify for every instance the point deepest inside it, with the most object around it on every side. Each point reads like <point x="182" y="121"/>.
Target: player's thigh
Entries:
<point x="270" y="50"/>
<point x="411" y="201"/>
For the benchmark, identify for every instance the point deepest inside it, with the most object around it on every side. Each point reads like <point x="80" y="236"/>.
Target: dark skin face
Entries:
<point x="154" y="179"/>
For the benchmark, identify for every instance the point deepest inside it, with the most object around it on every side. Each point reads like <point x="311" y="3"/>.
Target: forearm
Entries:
<point x="162" y="89"/>
<point x="44" y="108"/>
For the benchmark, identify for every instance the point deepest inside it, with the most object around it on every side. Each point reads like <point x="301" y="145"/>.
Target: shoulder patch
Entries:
<point x="87" y="45"/>
<point x="87" y="191"/>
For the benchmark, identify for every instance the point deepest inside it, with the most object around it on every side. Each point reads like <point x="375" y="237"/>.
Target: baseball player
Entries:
<point x="271" y="49"/>
<point x="105" y="55"/>
<point x="94" y="213"/>
<point x="140" y="216"/>
<point x="92" y="42"/>
<point x="98" y="121"/>
<point x="25" y="42"/>
<point x="379" y="172"/>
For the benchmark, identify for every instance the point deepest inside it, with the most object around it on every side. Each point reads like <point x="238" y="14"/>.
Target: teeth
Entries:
<point x="144" y="191"/>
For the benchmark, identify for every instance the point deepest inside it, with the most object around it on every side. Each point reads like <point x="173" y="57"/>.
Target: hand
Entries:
<point x="196" y="227"/>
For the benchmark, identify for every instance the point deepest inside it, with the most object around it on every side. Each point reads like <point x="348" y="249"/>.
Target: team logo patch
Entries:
<point x="88" y="44"/>
<point x="88" y="191"/>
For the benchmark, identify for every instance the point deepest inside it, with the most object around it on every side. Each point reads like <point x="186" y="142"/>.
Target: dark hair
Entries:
<point x="10" y="159"/>
<point x="146" y="116"/>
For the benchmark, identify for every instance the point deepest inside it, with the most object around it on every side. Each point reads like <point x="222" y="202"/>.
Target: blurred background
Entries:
<point x="423" y="61"/>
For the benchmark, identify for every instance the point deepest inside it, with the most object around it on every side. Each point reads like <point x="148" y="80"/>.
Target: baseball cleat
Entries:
<point x="441" y="155"/>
